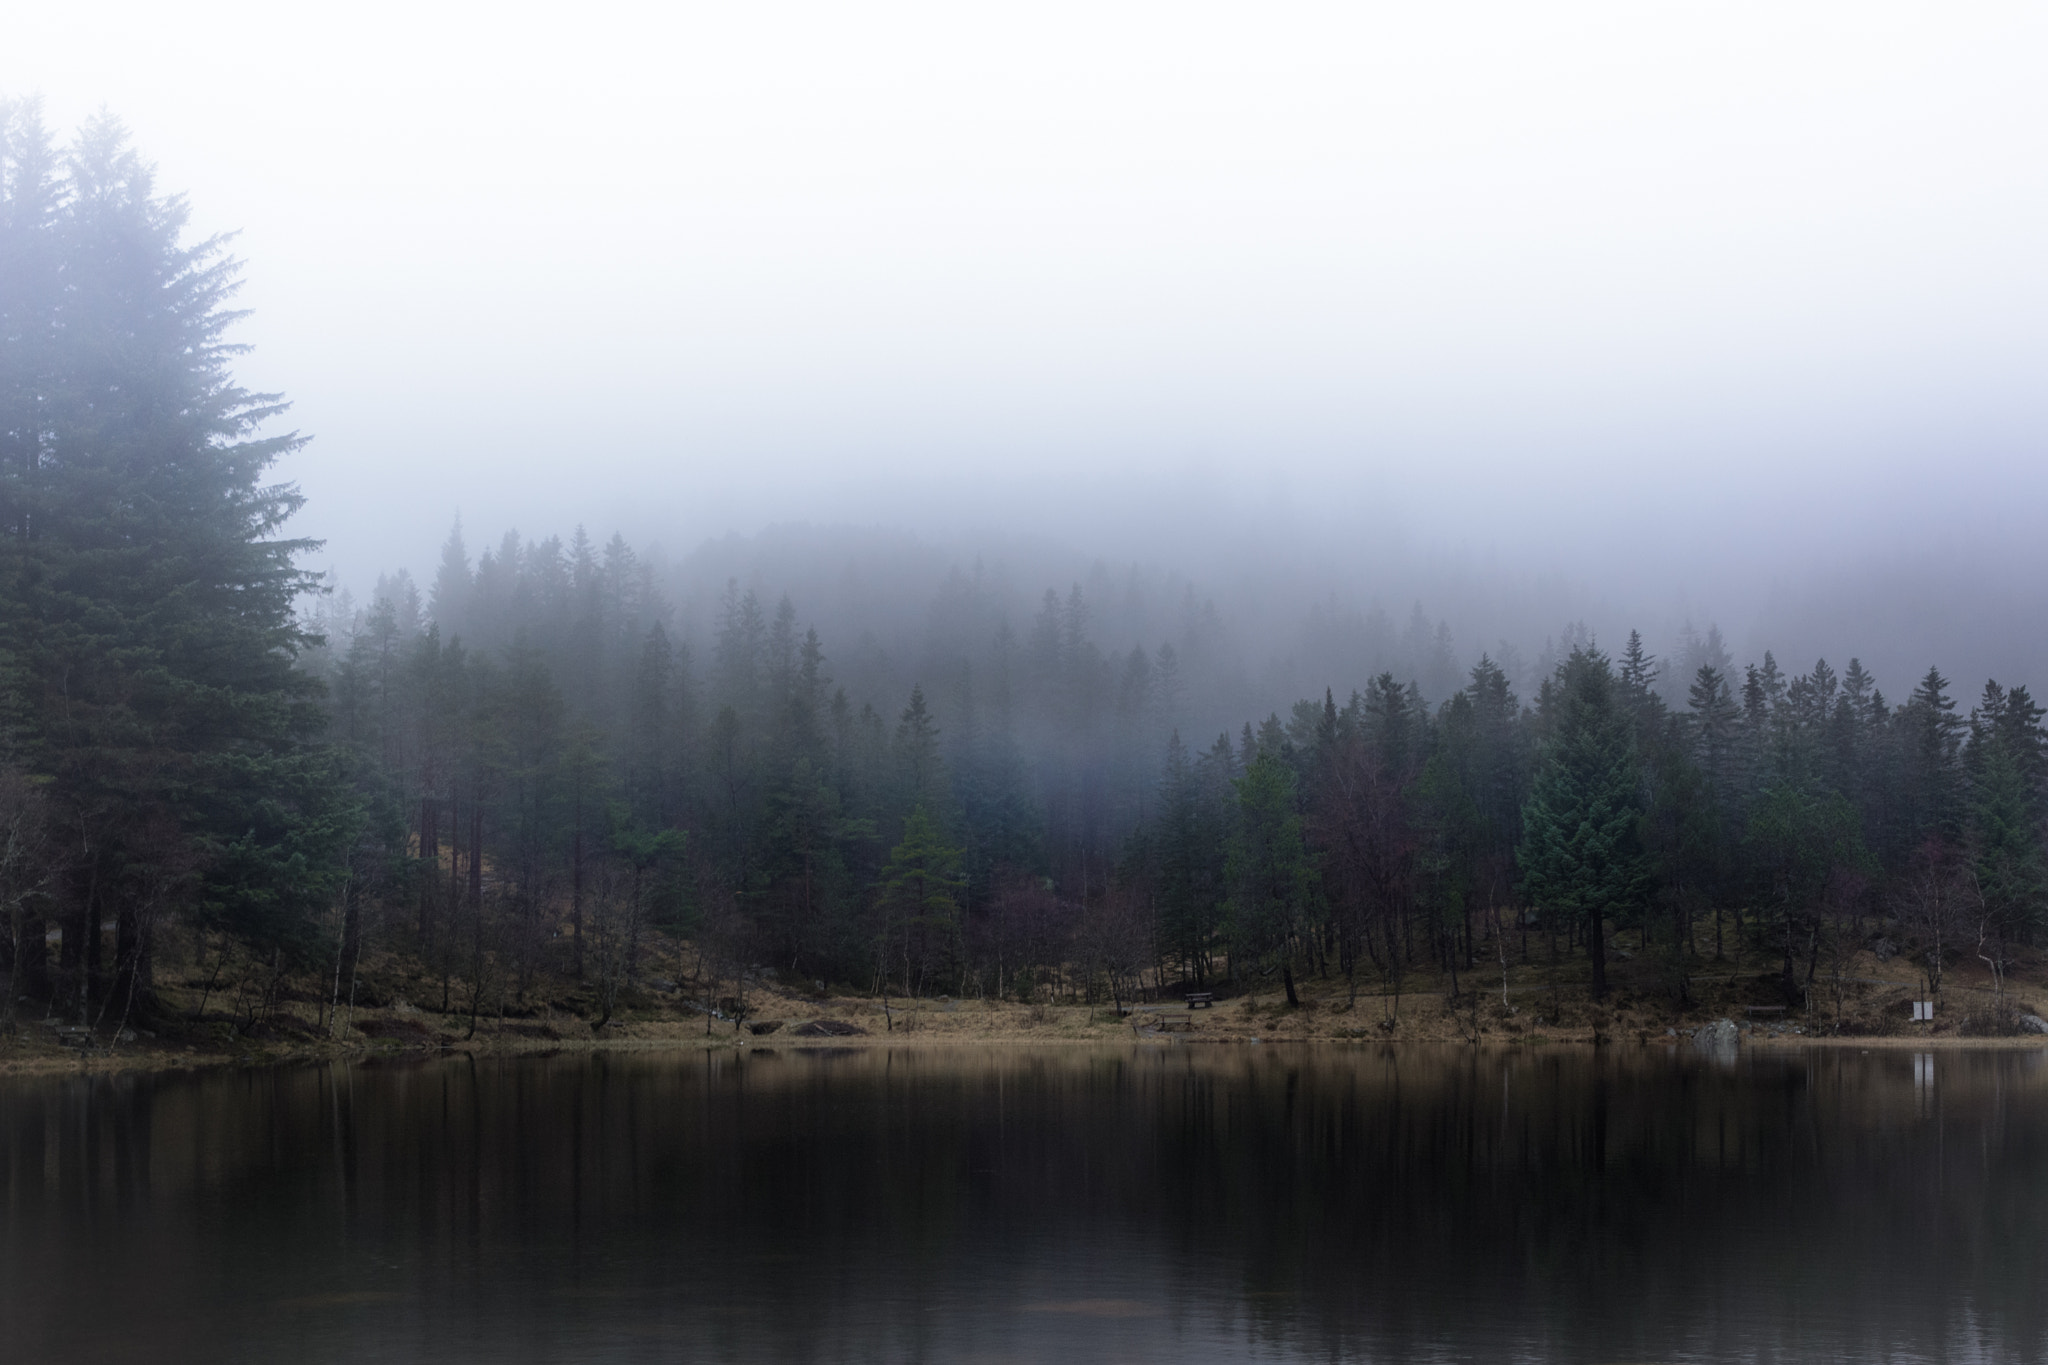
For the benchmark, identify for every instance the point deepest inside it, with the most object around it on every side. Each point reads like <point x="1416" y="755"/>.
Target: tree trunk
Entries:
<point x="89" y="952"/>
<point x="13" y="964"/>
<point x="131" y="972"/>
<point x="476" y="859"/>
<point x="1788" y="984"/>
<point x="430" y="855"/>
<point x="576" y="894"/>
<point x="1596" y="951"/>
<point x="447" y="955"/>
<point x="32" y="958"/>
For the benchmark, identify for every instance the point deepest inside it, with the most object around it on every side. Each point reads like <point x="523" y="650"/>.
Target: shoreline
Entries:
<point x="1081" y="1029"/>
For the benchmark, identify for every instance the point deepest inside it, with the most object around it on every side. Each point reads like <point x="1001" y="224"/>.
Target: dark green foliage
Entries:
<point x="918" y="907"/>
<point x="1798" y="840"/>
<point x="146" y="598"/>
<point x="1270" y="877"/>
<point x="2007" y="797"/>
<point x="1580" y="854"/>
<point x="1187" y="846"/>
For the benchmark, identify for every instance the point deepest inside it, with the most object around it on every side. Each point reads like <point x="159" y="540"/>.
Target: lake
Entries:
<point x="1188" y="1203"/>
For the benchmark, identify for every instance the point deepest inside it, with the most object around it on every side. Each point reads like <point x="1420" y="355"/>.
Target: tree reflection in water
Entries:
<point x="1152" y="1204"/>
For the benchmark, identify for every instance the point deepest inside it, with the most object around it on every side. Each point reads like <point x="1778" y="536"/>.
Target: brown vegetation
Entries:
<point x="210" y="1011"/>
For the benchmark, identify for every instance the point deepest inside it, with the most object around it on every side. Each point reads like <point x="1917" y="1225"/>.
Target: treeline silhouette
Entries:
<point x="1042" y="817"/>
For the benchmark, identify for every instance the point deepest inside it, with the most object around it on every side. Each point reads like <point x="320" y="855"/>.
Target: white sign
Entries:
<point x="1923" y="1009"/>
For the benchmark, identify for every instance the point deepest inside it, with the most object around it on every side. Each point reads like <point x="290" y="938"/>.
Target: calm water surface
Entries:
<point x="1182" y="1204"/>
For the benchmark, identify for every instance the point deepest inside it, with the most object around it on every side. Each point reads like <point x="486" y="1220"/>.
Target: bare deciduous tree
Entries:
<point x="1932" y="902"/>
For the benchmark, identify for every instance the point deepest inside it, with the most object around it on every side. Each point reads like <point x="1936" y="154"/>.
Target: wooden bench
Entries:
<point x="1201" y="1000"/>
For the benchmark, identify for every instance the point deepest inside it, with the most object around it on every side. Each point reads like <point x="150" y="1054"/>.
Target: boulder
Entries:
<point x="2033" y="1023"/>
<point x="828" y="1028"/>
<point x="1720" y="1037"/>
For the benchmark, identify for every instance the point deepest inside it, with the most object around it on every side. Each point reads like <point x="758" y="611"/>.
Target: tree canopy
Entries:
<point x="147" y="596"/>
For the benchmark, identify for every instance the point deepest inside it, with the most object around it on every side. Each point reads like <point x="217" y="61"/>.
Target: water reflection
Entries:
<point x="1158" y="1204"/>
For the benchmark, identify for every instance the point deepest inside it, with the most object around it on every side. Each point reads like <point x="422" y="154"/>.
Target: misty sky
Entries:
<point x="1709" y="304"/>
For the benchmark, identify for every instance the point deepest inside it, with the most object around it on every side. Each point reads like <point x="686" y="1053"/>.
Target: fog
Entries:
<point x="1525" y="314"/>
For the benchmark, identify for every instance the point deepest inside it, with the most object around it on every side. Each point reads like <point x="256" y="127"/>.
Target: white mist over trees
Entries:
<point x="859" y="756"/>
<point x="941" y="782"/>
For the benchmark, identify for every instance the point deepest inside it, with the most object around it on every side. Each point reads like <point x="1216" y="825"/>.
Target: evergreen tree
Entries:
<point x="1269" y="871"/>
<point x="918" y="902"/>
<point x="1930" y="755"/>
<point x="146" y="596"/>
<point x="448" y="603"/>
<point x="1579" y="853"/>
<point x="1188" y="851"/>
<point x="1798" y="838"/>
<point x="2006" y="808"/>
<point x="917" y="752"/>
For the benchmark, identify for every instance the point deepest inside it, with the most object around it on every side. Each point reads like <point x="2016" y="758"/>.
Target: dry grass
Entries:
<point x="398" y="1012"/>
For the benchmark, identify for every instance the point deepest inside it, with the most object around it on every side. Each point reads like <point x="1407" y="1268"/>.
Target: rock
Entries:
<point x="762" y="1030"/>
<point x="1884" y="950"/>
<point x="829" y="1028"/>
<point x="2033" y="1023"/>
<point x="1720" y="1037"/>
<point x="1671" y="1033"/>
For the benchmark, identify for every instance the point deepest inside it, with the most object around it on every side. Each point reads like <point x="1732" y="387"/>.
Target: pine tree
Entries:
<point x="145" y="592"/>
<point x="917" y="753"/>
<point x="919" y="904"/>
<point x="1579" y="853"/>
<point x="2006" y="809"/>
<point x="448" y="603"/>
<point x="1931" y="763"/>
<point x="1639" y="671"/>
<point x="1715" y="722"/>
<point x="1269" y="871"/>
<point x="650" y="744"/>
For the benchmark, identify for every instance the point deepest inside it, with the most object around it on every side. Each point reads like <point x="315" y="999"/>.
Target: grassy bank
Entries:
<point x="211" y="1013"/>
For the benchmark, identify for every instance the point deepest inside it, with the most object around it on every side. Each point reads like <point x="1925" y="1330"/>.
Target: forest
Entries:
<point x="519" y="776"/>
<point x="1043" y="816"/>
